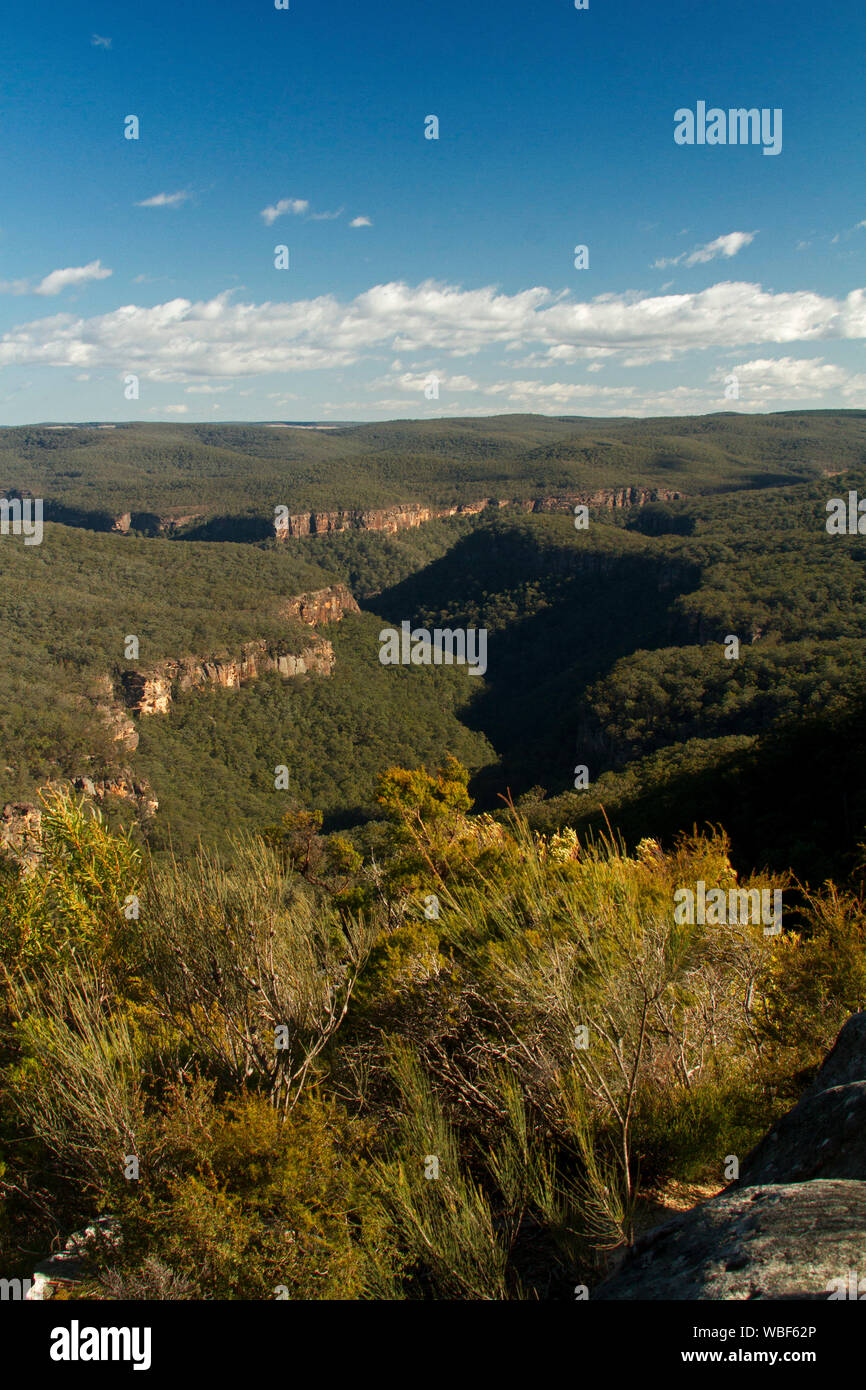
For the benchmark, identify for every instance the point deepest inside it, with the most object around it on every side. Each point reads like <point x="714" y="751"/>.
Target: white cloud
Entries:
<point x="97" y="41"/>
<point x="58" y="280"/>
<point x="360" y="222"/>
<point x="184" y="341"/>
<point x="764" y="384"/>
<point x="727" y="245"/>
<point x="295" y="206"/>
<point x="164" y="200"/>
<point x="416" y="381"/>
<point x="206" y="390"/>
<point x="556" y="391"/>
<point x="171" y="409"/>
<point x="326" y="216"/>
<point x="796" y="379"/>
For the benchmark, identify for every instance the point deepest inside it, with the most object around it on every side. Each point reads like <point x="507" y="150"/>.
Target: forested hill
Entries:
<point x="606" y="645"/>
<point x="189" y="475"/>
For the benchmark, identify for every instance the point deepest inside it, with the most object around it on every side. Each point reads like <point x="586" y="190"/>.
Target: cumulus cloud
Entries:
<point x="295" y="206"/>
<point x="58" y="280"/>
<point x="796" y="379"/>
<point x="360" y="222"/>
<point x="181" y="340"/>
<point x="164" y="200"/>
<point x="727" y="245"/>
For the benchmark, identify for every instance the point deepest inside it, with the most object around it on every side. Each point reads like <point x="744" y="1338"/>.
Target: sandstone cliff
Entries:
<point x="409" y="514"/>
<point x="398" y="517"/>
<point x="611" y="497"/>
<point x="113" y="716"/>
<point x="150" y="691"/>
<point x="387" y="519"/>
<point x="321" y="605"/>
<point x="124" y="786"/>
<point x="21" y="821"/>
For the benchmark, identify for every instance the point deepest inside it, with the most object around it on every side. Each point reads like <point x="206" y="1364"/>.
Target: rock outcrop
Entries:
<point x="115" y="718"/>
<point x="321" y="605"/>
<point x="387" y="519"/>
<point x="150" y="691"/>
<point x="824" y="1136"/>
<point x="793" y="1224"/>
<point x="786" y="1240"/>
<point x="124" y="786"/>
<point x="611" y="497"/>
<point x="21" y="821"/>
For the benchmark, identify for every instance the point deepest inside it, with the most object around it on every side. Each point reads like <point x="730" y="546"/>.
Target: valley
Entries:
<point x="316" y="782"/>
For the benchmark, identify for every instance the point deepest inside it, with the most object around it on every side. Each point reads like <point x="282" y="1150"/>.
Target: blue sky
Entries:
<point x="711" y="268"/>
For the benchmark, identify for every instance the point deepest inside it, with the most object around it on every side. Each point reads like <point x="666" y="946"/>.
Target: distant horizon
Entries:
<point x="428" y="419"/>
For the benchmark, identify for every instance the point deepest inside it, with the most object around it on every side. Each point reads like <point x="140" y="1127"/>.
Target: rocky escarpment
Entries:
<point x="400" y="517"/>
<point x="793" y="1224"/>
<point x="387" y="519"/>
<point x="611" y="497"/>
<point x="203" y="525"/>
<point x="150" y="691"/>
